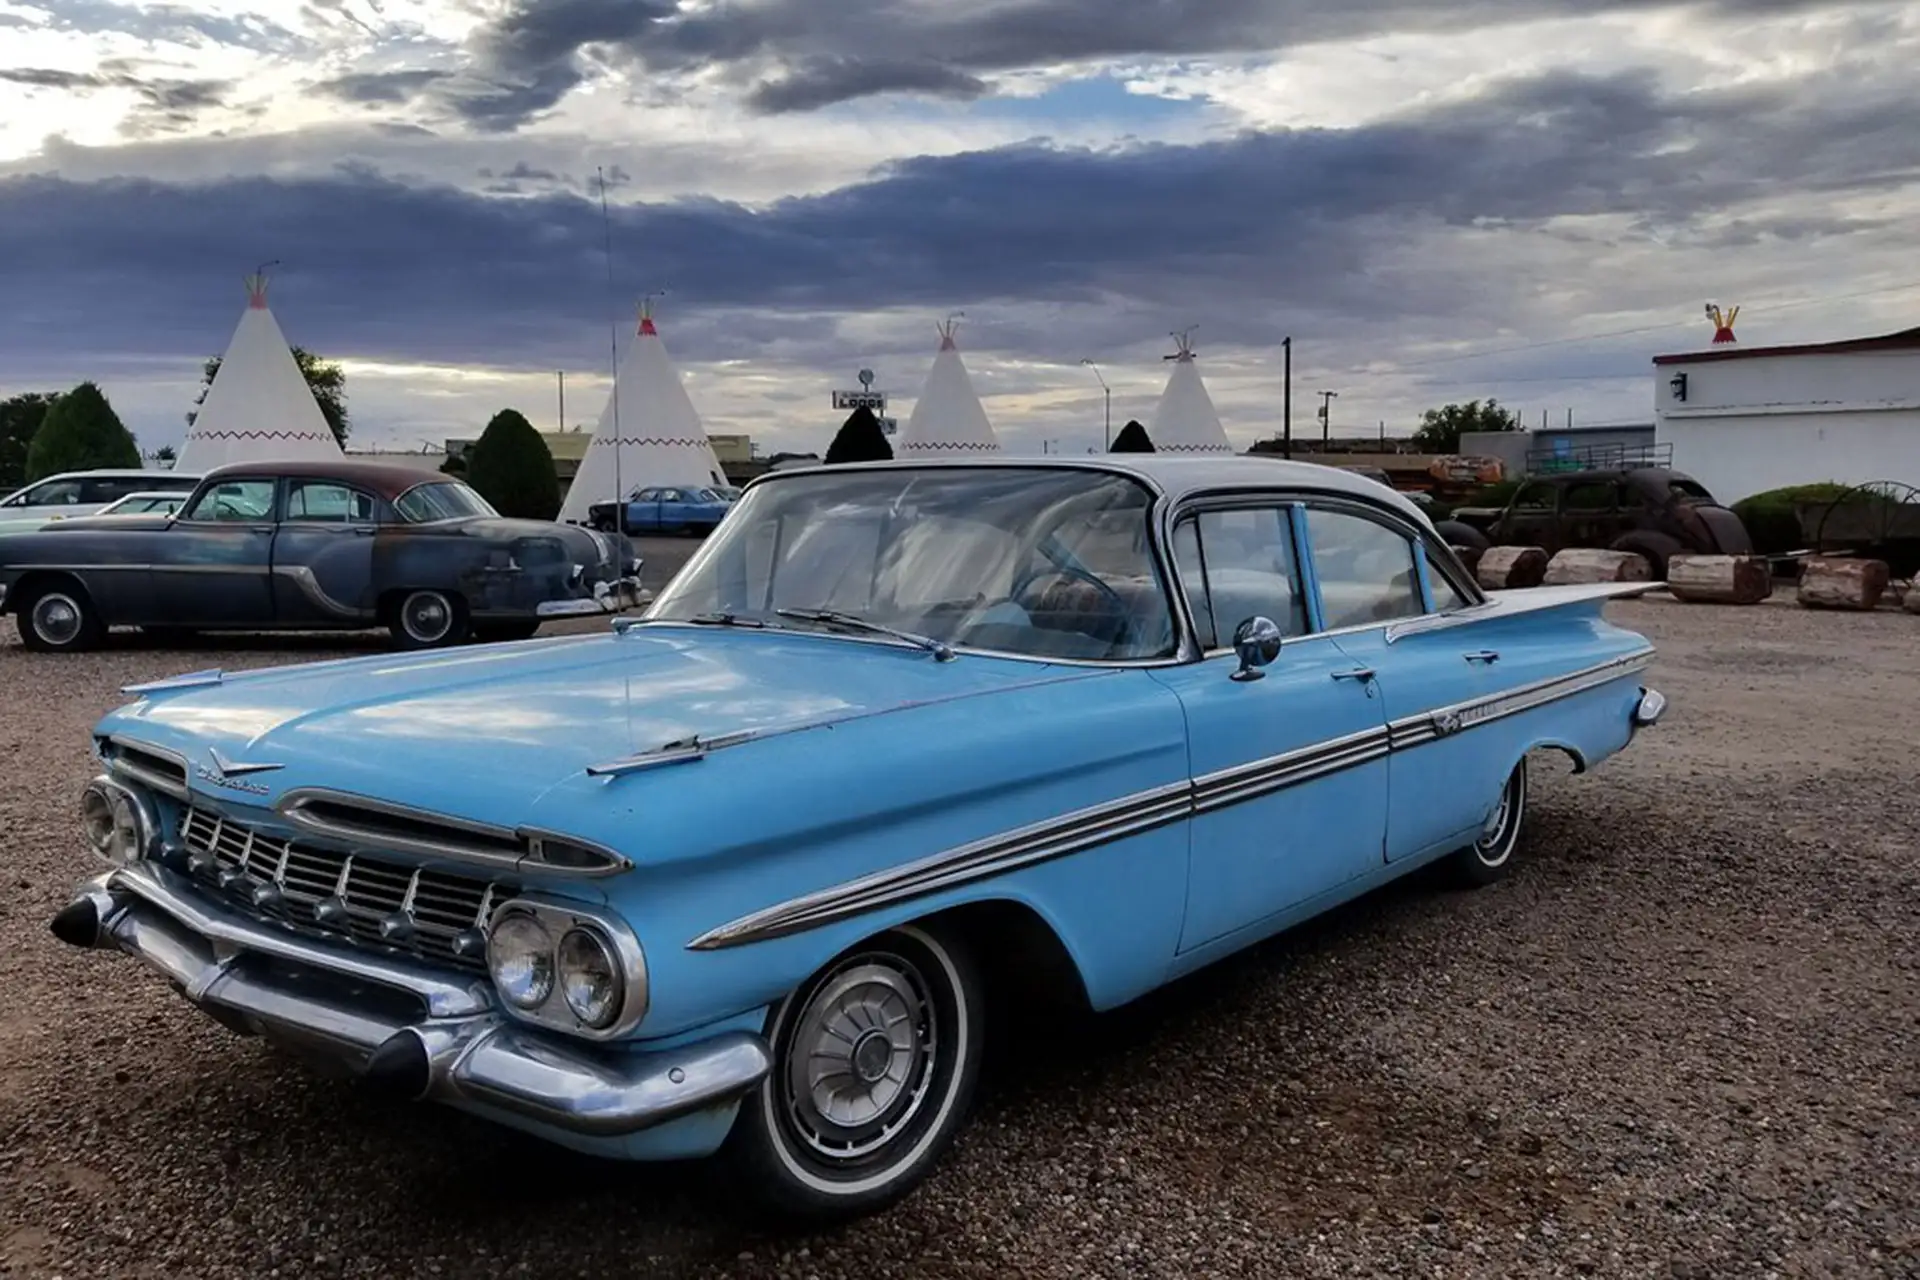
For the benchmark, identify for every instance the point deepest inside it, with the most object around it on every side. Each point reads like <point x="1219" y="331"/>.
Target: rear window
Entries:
<point x="1689" y="491"/>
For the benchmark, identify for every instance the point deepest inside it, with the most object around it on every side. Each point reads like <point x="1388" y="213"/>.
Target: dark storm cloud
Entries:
<point x="379" y="88"/>
<point x="793" y="55"/>
<point x="1247" y="230"/>
<point x="173" y="102"/>
<point x="821" y="82"/>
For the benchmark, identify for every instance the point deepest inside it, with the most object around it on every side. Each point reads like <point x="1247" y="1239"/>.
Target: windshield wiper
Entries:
<point x="720" y="620"/>
<point x="940" y="652"/>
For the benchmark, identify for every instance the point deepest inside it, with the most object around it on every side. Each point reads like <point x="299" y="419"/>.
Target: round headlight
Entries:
<point x="97" y="819"/>
<point x="126" y="828"/>
<point x="590" y="978"/>
<point x="520" y="957"/>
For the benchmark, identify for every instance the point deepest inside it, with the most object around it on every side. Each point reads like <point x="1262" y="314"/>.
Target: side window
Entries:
<point x="235" y="500"/>
<point x="327" y="501"/>
<point x="1366" y="570"/>
<point x="1534" y="497"/>
<point x="1446" y="596"/>
<point x="54" y="493"/>
<point x="103" y="491"/>
<point x="646" y="495"/>
<point x="1591" y="495"/>
<point x="1236" y="565"/>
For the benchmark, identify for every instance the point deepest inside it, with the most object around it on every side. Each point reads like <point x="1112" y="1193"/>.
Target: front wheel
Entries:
<point x="875" y="1062"/>
<point x="428" y="619"/>
<point x="1487" y="858"/>
<point x="60" y="619"/>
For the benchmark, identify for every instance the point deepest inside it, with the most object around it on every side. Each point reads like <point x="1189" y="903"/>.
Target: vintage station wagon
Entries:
<point x="749" y="874"/>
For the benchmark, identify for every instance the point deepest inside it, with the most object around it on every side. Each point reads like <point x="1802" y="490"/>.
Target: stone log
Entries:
<point x="1719" y="579"/>
<point x="1586" y="564"/>
<point x="1842" y="584"/>
<point x="1501" y="568"/>
<point x="1911" y="601"/>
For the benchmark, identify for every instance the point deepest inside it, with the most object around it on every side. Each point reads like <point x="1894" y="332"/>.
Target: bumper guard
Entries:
<point x="405" y="1027"/>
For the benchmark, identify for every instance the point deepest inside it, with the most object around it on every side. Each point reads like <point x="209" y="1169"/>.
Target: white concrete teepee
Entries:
<point x="259" y="408"/>
<point x="649" y="434"/>
<point x="1184" y="421"/>
<point x="948" y="420"/>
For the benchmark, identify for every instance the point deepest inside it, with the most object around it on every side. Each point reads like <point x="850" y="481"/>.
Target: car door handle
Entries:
<point x="1487" y="656"/>
<point x="1358" y="673"/>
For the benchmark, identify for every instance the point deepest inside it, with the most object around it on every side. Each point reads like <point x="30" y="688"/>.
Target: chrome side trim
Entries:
<point x="310" y="587"/>
<point x="1146" y="810"/>
<point x="1034" y="843"/>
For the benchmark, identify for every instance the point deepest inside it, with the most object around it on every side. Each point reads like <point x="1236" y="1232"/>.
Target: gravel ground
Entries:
<point x="1680" y="1041"/>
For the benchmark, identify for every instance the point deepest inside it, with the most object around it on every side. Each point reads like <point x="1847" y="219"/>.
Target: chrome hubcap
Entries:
<point x="427" y="617"/>
<point x="860" y="1058"/>
<point x="56" y="619"/>
<point x="1493" y="846"/>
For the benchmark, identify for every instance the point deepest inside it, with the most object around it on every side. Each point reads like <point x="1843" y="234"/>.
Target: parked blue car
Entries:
<point x="751" y="873"/>
<point x="665" y="510"/>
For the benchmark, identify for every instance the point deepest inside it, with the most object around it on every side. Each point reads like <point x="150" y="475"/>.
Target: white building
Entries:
<point x="948" y="420"/>
<point x="1742" y="420"/>
<point x="1185" y="421"/>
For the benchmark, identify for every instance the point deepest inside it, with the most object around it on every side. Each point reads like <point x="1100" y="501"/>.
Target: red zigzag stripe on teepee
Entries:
<point x="605" y="440"/>
<point x="950" y="444"/>
<point x="255" y="435"/>
<point x="1194" y="448"/>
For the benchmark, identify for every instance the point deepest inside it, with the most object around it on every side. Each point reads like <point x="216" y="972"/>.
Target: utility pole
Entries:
<point x="1286" y="398"/>
<point x="562" y="375"/>
<point x="1326" y="417"/>
<point x="1108" y="392"/>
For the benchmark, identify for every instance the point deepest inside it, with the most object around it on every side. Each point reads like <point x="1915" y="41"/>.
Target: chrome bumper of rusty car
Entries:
<point x="1647" y="711"/>
<point x="608" y="597"/>
<point x="405" y="1026"/>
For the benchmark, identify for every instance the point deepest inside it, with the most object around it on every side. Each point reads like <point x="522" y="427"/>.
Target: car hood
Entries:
<point x="486" y="731"/>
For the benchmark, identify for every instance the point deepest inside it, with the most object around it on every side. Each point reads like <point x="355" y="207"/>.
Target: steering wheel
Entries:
<point x="1122" y="634"/>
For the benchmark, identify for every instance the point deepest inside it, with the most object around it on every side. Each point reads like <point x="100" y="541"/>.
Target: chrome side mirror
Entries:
<point x="1256" y="642"/>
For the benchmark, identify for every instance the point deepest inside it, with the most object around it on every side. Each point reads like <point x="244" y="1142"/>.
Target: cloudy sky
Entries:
<point x="1438" y="199"/>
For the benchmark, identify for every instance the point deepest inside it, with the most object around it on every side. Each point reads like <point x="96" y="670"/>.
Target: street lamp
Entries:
<point x="1108" y="391"/>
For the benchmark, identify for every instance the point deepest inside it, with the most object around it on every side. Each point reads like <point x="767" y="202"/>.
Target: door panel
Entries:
<point x="1291" y="778"/>
<point x="323" y="554"/>
<point x="213" y="574"/>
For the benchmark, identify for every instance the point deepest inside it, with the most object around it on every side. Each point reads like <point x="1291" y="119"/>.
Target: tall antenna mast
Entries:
<point x="613" y="360"/>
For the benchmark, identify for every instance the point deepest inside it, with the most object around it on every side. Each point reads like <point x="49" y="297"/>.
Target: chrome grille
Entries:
<point x="436" y="915"/>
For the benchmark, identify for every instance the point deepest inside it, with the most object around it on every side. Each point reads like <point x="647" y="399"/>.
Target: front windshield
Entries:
<point x="441" y="500"/>
<point x="1049" y="563"/>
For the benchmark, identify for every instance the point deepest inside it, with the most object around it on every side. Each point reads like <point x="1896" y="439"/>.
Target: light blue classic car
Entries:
<point x="751" y="873"/>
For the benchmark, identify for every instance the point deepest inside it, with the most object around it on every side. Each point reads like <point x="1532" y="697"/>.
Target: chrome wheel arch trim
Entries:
<point x="1142" y="811"/>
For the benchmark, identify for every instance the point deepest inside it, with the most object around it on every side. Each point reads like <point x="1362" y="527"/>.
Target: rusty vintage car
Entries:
<point x="1652" y="511"/>
<point x="313" y="546"/>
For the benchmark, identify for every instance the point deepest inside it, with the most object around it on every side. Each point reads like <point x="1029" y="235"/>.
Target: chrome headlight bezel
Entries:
<point x="559" y="919"/>
<point x="118" y="822"/>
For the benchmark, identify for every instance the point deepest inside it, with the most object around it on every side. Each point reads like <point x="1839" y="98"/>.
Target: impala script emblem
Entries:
<point x="229" y="773"/>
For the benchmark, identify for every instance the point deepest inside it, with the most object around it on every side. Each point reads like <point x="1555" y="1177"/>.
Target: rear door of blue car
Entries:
<point x="1372" y="578"/>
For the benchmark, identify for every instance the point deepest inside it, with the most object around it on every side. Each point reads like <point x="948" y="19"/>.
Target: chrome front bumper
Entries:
<point x="608" y="597"/>
<point x="404" y="1026"/>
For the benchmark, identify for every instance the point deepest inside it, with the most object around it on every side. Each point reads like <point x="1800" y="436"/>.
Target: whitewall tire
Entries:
<point x="429" y="620"/>
<point x="875" y="1061"/>
<point x="60" y="619"/>
<point x="1488" y="857"/>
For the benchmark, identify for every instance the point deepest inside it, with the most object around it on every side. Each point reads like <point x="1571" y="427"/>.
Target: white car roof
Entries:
<point x="1178" y="477"/>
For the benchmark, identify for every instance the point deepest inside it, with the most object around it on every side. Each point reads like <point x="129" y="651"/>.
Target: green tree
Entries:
<point x="327" y="379"/>
<point x="80" y="432"/>
<point x="20" y="417"/>
<point x="1133" y="438"/>
<point x="166" y="453"/>
<point x="859" y="439"/>
<point x="1441" y="429"/>
<point x="512" y="468"/>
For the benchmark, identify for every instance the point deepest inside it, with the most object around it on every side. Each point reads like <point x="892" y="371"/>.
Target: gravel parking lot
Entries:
<point x="1682" y="1040"/>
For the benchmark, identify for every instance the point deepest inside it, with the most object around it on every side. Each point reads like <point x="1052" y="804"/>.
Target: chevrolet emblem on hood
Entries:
<point x="228" y="773"/>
